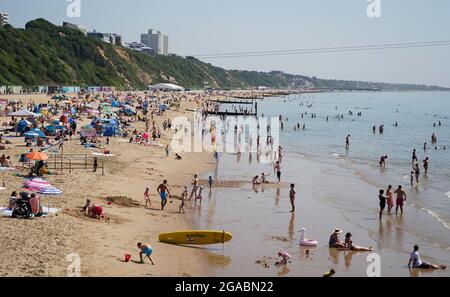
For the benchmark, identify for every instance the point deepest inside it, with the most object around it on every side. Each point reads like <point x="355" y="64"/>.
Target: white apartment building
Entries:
<point x="4" y="19"/>
<point x="157" y="41"/>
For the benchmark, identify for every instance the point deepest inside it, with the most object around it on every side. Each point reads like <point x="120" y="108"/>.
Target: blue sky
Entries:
<point x="213" y="26"/>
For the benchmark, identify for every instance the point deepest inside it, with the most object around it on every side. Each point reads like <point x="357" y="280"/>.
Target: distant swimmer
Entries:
<point x="425" y="146"/>
<point x="374" y="129"/>
<point x="382" y="161"/>
<point x="426" y="163"/>
<point x="349" y="244"/>
<point x="401" y="198"/>
<point x="416" y="262"/>
<point x="396" y="124"/>
<point x="381" y="129"/>
<point x="347" y="141"/>
<point x="414" y="156"/>
<point x="439" y="123"/>
<point x="382" y="202"/>
<point x="433" y="138"/>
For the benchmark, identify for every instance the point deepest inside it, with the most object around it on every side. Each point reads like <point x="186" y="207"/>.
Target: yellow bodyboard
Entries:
<point x="196" y="237"/>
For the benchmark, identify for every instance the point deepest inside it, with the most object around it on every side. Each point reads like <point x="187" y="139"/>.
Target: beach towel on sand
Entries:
<point x="4" y="212"/>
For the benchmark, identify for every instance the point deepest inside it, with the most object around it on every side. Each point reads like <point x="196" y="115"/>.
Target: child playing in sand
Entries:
<point x="183" y="199"/>
<point x="147" y="197"/>
<point x="145" y="250"/>
<point x="284" y="258"/>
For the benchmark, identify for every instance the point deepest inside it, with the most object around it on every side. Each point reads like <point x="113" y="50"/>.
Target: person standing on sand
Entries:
<point x="401" y="198"/>
<point x="382" y="202"/>
<point x="183" y="199"/>
<point x="210" y="181"/>
<point x="147" y="197"/>
<point x="426" y="162"/>
<point x="194" y="187"/>
<point x="163" y="190"/>
<point x="414" y="259"/>
<point x="292" y="193"/>
<point x="167" y="150"/>
<point x="390" y="200"/>
<point x="145" y="249"/>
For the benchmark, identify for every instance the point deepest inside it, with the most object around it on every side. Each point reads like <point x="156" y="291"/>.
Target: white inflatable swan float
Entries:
<point x="306" y="242"/>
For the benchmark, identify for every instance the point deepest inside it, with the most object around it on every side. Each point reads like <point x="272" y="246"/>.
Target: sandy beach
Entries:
<point x="39" y="247"/>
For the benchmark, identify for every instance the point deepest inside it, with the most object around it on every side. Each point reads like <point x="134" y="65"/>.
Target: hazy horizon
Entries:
<point x="211" y="27"/>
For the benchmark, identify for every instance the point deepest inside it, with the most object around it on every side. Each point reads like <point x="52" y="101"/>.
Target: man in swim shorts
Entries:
<point x="145" y="250"/>
<point x="401" y="198"/>
<point x="163" y="190"/>
<point x="194" y="187"/>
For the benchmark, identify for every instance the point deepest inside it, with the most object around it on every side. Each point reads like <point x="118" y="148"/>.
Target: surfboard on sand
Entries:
<point x="196" y="237"/>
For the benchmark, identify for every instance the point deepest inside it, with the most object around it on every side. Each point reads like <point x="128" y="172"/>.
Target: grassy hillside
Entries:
<point x="45" y="54"/>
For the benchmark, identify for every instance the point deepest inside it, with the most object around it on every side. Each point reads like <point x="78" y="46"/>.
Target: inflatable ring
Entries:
<point x="306" y="242"/>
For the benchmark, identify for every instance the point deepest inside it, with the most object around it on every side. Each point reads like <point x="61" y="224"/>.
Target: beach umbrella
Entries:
<point x="50" y="191"/>
<point x="37" y="156"/>
<point x="31" y="134"/>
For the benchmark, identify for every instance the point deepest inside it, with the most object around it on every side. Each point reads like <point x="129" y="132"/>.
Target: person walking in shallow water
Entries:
<point x="292" y="193"/>
<point x="417" y="172"/>
<point x="382" y="202"/>
<point x="426" y="162"/>
<point x="414" y="156"/>
<point x="347" y="141"/>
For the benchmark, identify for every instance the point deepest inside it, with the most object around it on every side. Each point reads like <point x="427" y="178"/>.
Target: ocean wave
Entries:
<point x="437" y="217"/>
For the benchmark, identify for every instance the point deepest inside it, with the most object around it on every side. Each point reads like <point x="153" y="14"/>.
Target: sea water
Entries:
<point x="337" y="187"/>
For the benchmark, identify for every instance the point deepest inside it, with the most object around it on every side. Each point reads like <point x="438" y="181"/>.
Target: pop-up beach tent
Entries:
<point x="165" y="87"/>
<point x="22" y="113"/>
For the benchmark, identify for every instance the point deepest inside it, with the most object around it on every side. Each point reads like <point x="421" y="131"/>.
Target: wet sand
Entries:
<point x="329" y="196"/>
